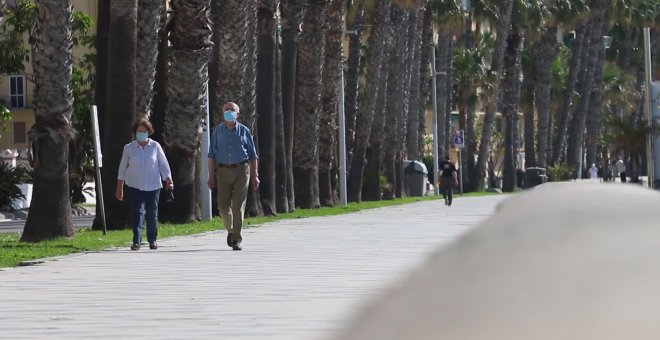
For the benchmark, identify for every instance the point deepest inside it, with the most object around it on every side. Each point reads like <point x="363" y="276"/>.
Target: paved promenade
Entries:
<point x="295" y="279"/>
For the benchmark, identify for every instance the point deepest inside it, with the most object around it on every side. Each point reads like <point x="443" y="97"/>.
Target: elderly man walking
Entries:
<point x="233" y="161"/>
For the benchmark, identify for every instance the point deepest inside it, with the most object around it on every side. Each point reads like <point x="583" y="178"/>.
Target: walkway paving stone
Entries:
<point x="295" y="279"/>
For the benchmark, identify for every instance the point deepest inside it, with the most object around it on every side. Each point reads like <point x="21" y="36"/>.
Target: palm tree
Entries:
<point x="119" y="113"/>
<point x="188" y="74"/>
<point x="229" y="31"/>
<point x="511" y="88"/>
<point x="544" y="52"/>
<point x="102" y="51"/>
<point x="356" y="23"/>
<point x="412" y="149"/>
<point x="292" y="14"/>
<point x="50" y="209"/>
<point x="503" y="24"/>
<point x="594" y="120"/>
<point x="307" y="105"/>
<point x="367" y="106"/>
<point x="150" y="13"/>
<point x="281" y="174"/>
<point x="266" y="59"/>
<point x="593" y="46"/>
<point x="329" y="99"/>
<point x="393" y="108"/>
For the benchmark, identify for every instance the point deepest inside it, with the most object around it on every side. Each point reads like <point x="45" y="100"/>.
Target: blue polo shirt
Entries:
<point x="231" y="146"/>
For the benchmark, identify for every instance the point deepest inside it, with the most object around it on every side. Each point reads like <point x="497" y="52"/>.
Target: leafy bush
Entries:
<point x="10" y="178"/>
<point x="560" y="172"/>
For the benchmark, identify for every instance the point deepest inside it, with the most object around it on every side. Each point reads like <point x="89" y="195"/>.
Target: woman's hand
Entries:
<point x="119" y="193"/>
<point x="169" y="185"/>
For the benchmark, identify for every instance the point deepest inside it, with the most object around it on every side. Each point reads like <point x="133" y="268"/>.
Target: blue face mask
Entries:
<point x="142" y="136"/>
<point x="230" y="116"/>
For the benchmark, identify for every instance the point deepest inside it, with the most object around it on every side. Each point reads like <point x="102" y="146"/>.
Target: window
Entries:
<point x="20" y="133"/>
<point x="17" y="91"/>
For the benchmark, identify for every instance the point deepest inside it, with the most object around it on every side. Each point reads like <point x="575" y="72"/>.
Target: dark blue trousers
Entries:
<point x="144" y="208"/>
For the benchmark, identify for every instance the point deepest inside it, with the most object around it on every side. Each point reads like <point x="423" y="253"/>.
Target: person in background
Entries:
<point x="448" y="177"/>
<point x="622" y="170"/>
<point x="143" y="168"/>
<point x="232" y="161"/>
<point x="593" y="172"/>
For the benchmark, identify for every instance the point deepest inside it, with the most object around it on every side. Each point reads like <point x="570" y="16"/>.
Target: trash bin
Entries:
<point x="535" y="176"/>
<point x="414" y="173"/>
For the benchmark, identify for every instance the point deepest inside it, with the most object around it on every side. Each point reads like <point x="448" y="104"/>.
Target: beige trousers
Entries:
<point x="232" y="195"/>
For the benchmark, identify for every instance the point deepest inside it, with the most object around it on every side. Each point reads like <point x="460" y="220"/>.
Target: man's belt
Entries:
<point x="231" y="165"/>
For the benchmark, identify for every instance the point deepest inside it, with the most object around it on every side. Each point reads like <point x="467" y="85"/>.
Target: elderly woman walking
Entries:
<point x="143" y="168"/>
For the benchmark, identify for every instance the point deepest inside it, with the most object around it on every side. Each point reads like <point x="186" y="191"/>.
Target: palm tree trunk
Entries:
<point x="292" y="13"/>
<point x="159" y="105"/>
<point x="443" y="53"/>
<point x="510" y="105"/>
<point x="308" y="100"/>
<point x="563" y="115"/>
<point x="372" y="190"/>
<point x="545" y="54"/>
<point x="186" y="107"/>
<point x="449" y="96"/>
<point x="502" y="32"/>
<point x="527" y="108"/>
<point x="119" y="113"/>
<point x="266" y="47"/>
<point x="352" y="81"/>
<point x="594" y="115"/>
<point x="102" y="50"/>
<point x="394" y="103"/>
<point x="412" y="149"/>
<point x="281" y="174"/>
<point x="329" y="99"/>
<point x="229" y="29"/>
<point x="424" y="74"/>
<point x="575" y="140"/>
<point x="50" y="209"/>
<point x="365" y="116"/>
<point x="149" y="23"/>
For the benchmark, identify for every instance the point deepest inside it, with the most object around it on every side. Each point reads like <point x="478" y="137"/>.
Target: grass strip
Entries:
<point x="13" y="252"/>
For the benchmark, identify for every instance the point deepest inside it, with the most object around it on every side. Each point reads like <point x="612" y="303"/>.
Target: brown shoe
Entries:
<point x="135" y="247"/>
<point x="153" y="245"/>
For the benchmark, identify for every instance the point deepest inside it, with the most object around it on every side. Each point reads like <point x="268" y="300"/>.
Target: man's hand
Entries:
<point x="255" y="182"/>
<point x="211" y="182"/>
<point x="119" y="193"/>
<point x="169" y="185"/>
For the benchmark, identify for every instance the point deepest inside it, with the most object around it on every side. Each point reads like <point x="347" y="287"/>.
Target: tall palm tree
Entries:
<point x="594" y="45"/>
<point x="119" y="113"/>
<point x="511" y="88"/>
<point x="150" y="14"/>
<point x="545" y="52"/>
<point x="50" y="209"/>
<point x="186" y="108"/>
<point x="424" y="74"/>
<point x="503" y="23"/>
<point x="292" y="16"/>
<point x="372" y="186"/>
<point x="281" y="174"/>
<point x="329" y="99"/>
<point x="594" y="120"/>
<point x="394" y="106"/>
<point x="412" y="150"/>
<point x="356" y="23"/>
<point x="307" y="104"/>
<point x="266" y="59"/>
<point x="367" y="105"/>
<point x="229" y="30"/>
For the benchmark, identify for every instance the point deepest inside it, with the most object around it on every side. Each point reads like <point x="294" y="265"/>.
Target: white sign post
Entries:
<point x="459" y="142"/>
<point x="98" y="163"/>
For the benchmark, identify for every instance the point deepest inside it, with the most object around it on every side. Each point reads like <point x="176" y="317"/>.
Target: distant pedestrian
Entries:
<point x="448" y="178"/>
<point x="593" y="172"/>
<point x="233" y="160"/>
<point x="622" y="170"/>
<point x="614" y="172"/>
<point x="143" y="168"/>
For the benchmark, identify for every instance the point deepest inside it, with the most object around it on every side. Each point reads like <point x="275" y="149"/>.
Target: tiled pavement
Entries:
<point x="295" y="279"/>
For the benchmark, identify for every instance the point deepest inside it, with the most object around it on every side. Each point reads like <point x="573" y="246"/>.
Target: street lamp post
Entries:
<point x="435" y="124"/>
<point x="647" y="107"/>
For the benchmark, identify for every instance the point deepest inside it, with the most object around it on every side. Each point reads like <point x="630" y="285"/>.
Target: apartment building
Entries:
<point x="17" y="94"/>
